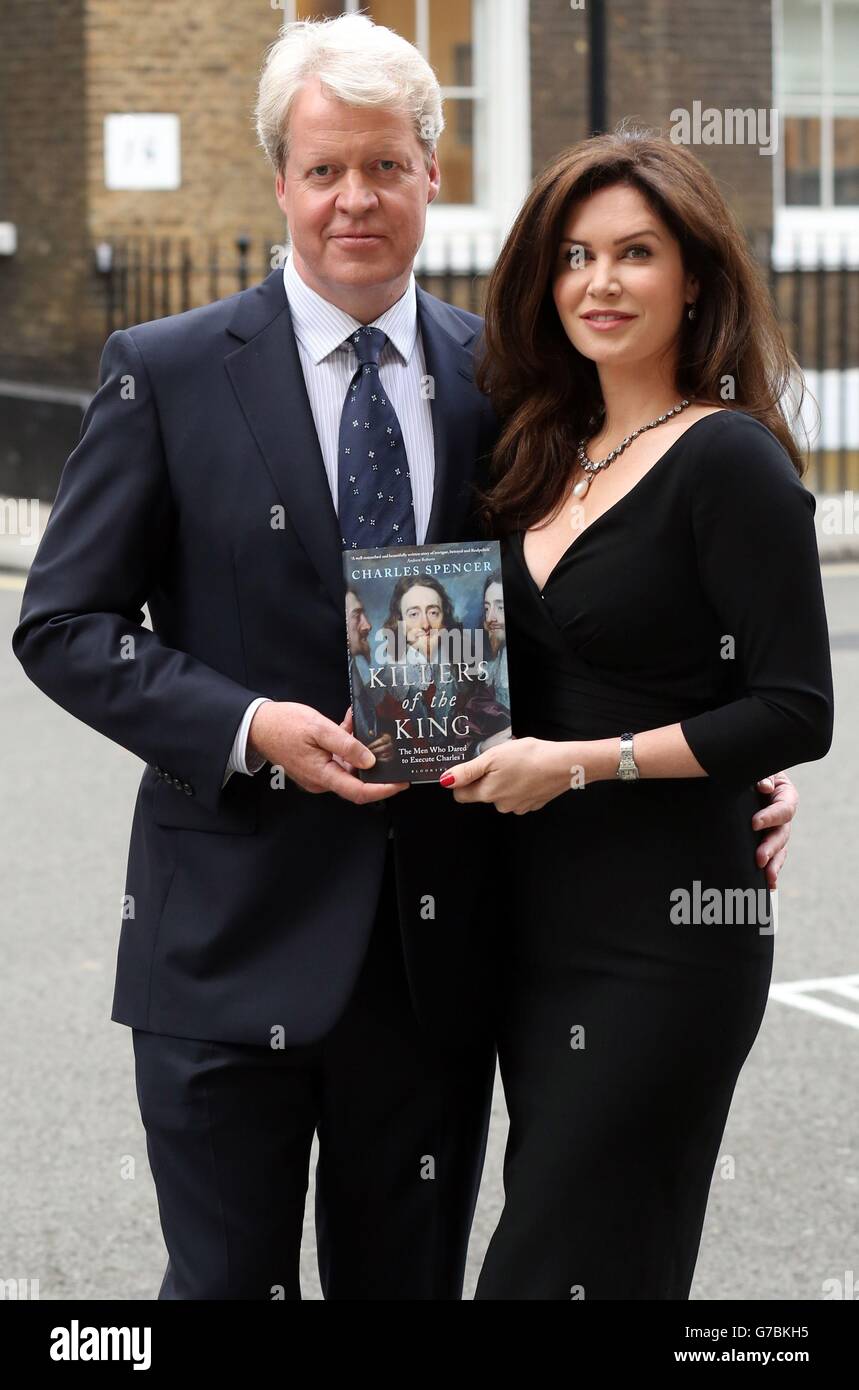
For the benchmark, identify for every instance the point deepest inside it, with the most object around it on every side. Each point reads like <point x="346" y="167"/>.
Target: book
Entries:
<point x="427" y="655"/>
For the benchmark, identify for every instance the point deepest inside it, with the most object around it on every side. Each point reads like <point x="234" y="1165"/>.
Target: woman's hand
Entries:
<point x="775" y="819"/>
<point x="520" y="775"/>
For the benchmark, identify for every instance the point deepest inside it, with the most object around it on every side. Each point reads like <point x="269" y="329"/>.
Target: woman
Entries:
<point x="661" y="581"/>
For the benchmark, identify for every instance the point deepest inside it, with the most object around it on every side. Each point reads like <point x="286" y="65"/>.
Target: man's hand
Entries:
<point x="383" y="748"/>
<point x="775" y="818"/>
<point x="316" y="753"/>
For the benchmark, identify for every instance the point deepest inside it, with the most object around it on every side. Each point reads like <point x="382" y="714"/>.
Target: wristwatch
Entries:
<point x="627" y="769"/>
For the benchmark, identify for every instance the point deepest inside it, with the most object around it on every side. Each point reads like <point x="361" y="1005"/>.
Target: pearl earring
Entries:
<point x="692" y="312"/>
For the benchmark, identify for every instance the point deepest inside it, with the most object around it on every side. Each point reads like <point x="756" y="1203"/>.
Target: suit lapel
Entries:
<point x="269" y="383"/>
<point x="455" y="415"/>
<point x="267" y="378"/>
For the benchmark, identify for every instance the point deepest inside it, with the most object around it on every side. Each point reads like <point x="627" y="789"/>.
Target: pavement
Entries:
<point x="77" y="1204"/>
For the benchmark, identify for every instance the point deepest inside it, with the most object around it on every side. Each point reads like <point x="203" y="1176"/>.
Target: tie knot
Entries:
<point x="368" y="343"/>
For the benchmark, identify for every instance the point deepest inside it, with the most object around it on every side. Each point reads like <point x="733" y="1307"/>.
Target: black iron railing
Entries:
<point x="818" y="306"/>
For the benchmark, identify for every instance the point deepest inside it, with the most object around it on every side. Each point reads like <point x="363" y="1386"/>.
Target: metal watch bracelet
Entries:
<point x="627" y="769"/>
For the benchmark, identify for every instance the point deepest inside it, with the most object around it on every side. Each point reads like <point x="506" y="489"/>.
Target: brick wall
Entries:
<point x="65" y="65"/>
<point x="42" y="187"/>
<point x="201" y="61"/>
<point x="661" y="54"/>
<point x="559" y="79"/>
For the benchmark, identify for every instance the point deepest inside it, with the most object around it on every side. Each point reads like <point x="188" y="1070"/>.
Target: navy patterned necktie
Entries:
<point x="373" y="477"/>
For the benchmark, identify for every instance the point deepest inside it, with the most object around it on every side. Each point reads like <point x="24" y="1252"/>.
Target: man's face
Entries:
<point x="493" y="616"/>
<point x="351" y="172"/>
<point x="421" y="611"/>
<point x="358" y="626"/>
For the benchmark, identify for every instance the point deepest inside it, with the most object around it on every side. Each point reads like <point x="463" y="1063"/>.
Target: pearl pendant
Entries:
<point x="581" y="487"/>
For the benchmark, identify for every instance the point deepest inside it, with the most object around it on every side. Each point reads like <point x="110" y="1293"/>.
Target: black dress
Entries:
<point x="622" y="1027"/>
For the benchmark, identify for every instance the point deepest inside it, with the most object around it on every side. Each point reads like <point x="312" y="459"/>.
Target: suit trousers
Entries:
<point x="402" y="1136"/>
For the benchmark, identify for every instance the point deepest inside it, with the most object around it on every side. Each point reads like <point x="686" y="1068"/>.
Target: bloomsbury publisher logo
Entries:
<point x="76" y="1343"/>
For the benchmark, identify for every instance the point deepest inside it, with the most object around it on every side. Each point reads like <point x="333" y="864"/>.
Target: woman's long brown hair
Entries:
<point x="546" y="393"/>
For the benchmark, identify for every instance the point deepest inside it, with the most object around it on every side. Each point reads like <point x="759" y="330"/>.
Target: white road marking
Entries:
<point x="801" y="994"/>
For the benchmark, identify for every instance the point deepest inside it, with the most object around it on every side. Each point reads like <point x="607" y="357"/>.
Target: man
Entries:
<point x="496" y="632"/>
<point x="367" y="724"/>
<point x="489" y="709"/>
<point x="426" y="674"/>
<point x="298" y="959"/>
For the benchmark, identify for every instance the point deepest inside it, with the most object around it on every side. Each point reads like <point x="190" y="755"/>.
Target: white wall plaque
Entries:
<point x="141" y="150"/>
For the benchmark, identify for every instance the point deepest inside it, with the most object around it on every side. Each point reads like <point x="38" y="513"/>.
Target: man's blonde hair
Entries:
<point x="358" y="62"/>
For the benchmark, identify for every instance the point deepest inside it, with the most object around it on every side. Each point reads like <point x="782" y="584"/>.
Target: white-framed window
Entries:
<point x="479" y="50"/>
<point x="816" y="89"/>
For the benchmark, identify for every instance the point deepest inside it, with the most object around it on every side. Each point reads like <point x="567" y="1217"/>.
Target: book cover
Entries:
<point x="427" y="656"/>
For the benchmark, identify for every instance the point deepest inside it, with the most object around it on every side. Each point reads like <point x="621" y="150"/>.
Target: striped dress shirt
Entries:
<point x="328" y="363"/>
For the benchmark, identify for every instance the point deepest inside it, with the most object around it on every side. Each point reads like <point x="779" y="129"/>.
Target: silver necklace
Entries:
<point x="593" y="466"/>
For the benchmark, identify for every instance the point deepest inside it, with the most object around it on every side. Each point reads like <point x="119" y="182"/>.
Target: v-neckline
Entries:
<point x="520" y="535"/>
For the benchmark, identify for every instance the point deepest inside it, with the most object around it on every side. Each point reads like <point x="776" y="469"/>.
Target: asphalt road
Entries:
<point x="77" y="1203"/>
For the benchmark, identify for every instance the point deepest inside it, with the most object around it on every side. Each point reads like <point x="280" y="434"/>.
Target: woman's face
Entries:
<point x="626" y="267"/>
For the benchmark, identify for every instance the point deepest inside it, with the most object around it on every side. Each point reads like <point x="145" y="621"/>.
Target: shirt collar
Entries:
<point x="321" y="326"/>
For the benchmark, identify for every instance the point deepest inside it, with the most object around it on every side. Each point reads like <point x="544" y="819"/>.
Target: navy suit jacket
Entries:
<point x="252" y="904"/>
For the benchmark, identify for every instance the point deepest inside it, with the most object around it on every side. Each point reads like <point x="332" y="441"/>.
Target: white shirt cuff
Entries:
<point x="239" y="761"/>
